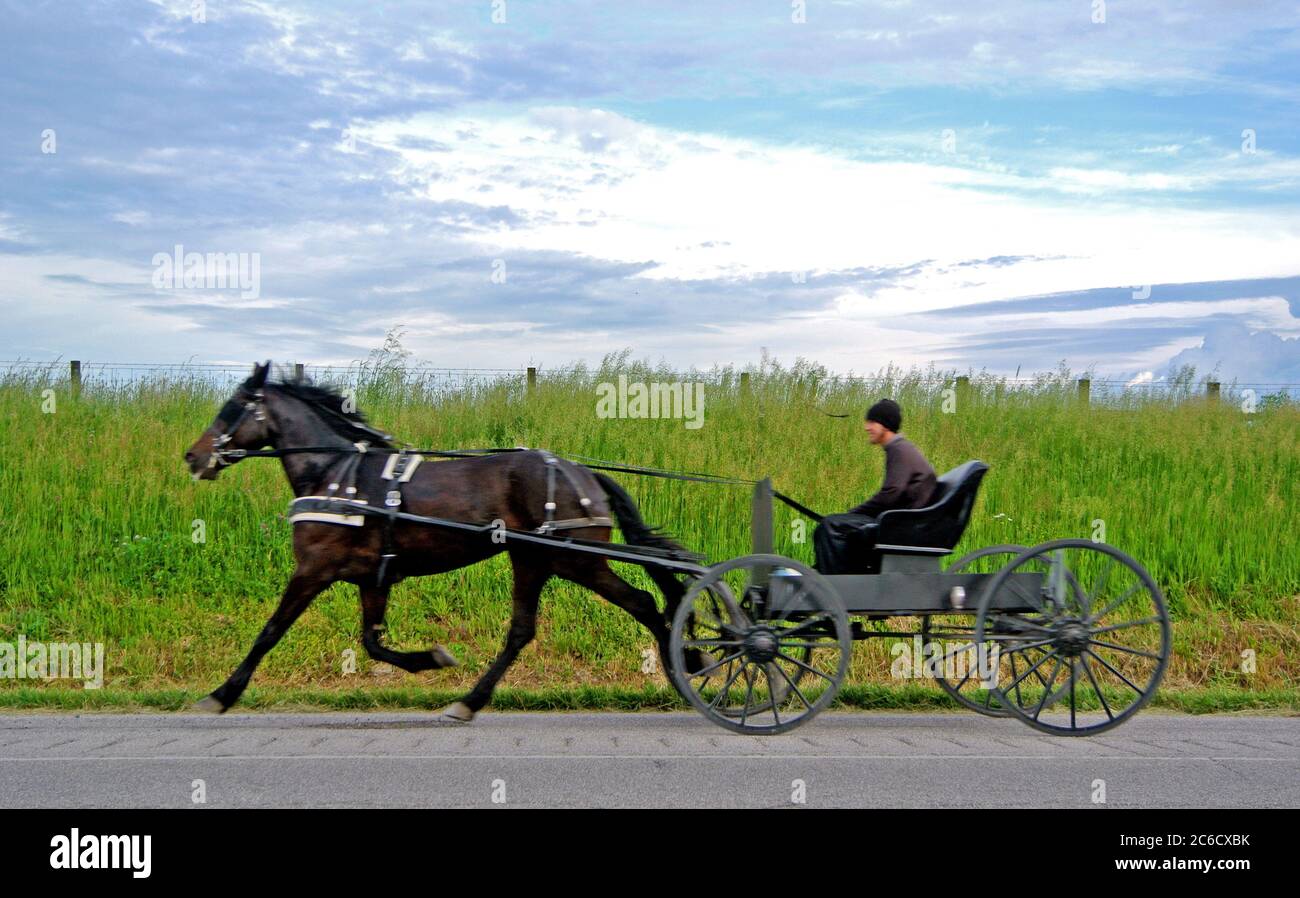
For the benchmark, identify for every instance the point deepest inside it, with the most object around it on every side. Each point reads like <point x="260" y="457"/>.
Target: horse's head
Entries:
<point x="241" y="424"/>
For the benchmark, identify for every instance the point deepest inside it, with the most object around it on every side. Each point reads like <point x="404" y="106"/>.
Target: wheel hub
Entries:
<point x="1072" y="637"/>
<point x="761" y="645"/>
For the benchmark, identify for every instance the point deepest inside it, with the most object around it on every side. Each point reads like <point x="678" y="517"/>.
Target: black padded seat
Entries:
<point x="937" y="527"/>
<point x="940" y="524"/>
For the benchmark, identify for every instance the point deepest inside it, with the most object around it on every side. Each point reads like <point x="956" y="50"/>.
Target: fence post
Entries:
<point x="1212" y="390"/>
<point x="532" y="380"/>
<point x="1085" y="388"/>
<point x="963" y="391"/>
<point x="74" y="373"/>
<point x="297" y="371"/>
<point x="744" y="385"/>
<point x="761" y="517"/>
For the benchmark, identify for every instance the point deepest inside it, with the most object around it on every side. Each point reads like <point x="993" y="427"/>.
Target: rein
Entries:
<point x="226" y="457"/>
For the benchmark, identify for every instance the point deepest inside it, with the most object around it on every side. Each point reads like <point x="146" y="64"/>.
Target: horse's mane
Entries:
<point x="352" y="425"/>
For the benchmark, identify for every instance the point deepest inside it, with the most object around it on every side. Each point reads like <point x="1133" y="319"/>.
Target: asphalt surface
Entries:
<point x="638" y="760"/>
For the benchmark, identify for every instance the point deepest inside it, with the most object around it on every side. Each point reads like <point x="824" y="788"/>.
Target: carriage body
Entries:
<point x="1071" y="636"/>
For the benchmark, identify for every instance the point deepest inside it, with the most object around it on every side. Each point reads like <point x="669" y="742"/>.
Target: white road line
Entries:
<point x="678" y="757"/>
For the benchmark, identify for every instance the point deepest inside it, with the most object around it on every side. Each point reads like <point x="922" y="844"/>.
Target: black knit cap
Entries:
<point x="886" y="413"/>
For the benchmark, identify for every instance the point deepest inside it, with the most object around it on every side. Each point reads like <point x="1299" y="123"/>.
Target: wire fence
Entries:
<point x="114" y="376"/>
<point x="811" y="385"/>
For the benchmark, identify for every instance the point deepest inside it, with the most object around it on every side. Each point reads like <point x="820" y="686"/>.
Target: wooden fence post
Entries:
<point x="1085" y="389"/>
<point x="1212" y="390"/>
<point x="74" y="373"/>
<point x="297" y="371"/>
<point x="760" y="520"/>
<point x="744" y="385"/>
<point x="532" y="380"/>
<point x="963" y="391"/>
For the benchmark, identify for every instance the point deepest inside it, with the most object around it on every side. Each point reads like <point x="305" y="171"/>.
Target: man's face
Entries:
<point x="876" y="432"/>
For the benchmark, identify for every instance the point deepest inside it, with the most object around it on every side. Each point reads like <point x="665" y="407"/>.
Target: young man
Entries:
<point x="841" y="541"/>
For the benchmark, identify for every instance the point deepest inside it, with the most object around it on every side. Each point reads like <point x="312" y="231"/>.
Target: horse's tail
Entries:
<point x="638" y="533"/>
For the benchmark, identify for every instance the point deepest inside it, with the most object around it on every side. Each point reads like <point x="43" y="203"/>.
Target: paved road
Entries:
<point x="638" y="760"/>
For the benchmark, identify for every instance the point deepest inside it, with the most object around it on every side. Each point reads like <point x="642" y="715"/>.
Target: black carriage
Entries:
<point x="1071" y="636"/>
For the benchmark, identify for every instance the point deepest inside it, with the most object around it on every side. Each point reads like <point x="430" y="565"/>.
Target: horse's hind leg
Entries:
<point x="298" y="594"/>
<point x="531" y="572"/>
<point x="597" y="576"/>
<point x="374" y="603"/>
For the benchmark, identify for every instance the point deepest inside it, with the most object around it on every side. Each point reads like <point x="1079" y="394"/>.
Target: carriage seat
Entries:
<point x="929" y="532"/>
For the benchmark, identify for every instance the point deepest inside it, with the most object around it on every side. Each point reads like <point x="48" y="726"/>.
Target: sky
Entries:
<point x="986" y="186"/>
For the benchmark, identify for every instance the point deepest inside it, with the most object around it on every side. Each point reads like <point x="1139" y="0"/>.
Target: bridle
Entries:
<point x="232" y="416"/>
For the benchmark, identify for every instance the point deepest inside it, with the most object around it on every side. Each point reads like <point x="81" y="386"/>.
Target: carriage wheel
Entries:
<point x="766" y="672"/>
<point x="1093" y="649"/>
<point x="956" y="633"/>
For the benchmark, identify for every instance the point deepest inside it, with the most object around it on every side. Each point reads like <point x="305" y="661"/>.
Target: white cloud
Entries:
<point x="599" y="184"/>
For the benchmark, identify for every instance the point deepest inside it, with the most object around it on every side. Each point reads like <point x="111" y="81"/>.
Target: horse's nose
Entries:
<point x="190" y="457"/>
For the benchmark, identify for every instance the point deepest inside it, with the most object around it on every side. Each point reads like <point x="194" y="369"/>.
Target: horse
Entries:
<point x="322" y="443"/>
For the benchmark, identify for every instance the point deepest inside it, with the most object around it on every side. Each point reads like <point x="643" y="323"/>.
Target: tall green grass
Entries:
<point x="96" y="512"/>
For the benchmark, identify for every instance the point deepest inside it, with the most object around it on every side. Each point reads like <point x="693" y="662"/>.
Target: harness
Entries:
<point x="346" y="509"/>
<point x="549" y="525"/>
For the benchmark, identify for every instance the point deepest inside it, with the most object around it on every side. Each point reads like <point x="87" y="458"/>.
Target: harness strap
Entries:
<point x="574" y="523"/>
<point x="397" y="470"/>
<point x="550" y="488"/>
<point x="552" y="462"/>
<point x="680" y="559"/>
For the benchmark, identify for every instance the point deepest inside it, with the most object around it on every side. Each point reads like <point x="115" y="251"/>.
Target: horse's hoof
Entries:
<point x="457" y="713"/>
<point x="209" y="705"/>
<point x="444" y="658"/>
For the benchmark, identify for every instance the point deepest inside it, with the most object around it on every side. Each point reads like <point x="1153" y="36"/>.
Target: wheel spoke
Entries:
<point x="717" y="699"/>
<point x="1123" y="648"/>
<point x="1096" y="687"/>
<point x="1106" y="664"/>
<point x="1037" y="664"/>
<point x="828" y="644"/>
<point x="1016" y="684"/>
<point x="749" y="693"/>
<point x="771" y="693"/>
<point x="1073" y="675"/>
<point x="1095" y="593"/>
<point x="711" y="643"/>
<point x="707" y="671"/>
<point x="714" y="624"/>
<point x="1131" y="623"/>
<point x="806" y="667"/>
<point x="792" y="683"/>
<point x="1115" y="604"/>
<point x="1010" y="647"/>
<point x="818" y="618"/>
<point x="1047" y="687"/>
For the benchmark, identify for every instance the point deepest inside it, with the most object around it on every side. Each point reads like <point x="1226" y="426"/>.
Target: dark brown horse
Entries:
<point x="508" y="488"/>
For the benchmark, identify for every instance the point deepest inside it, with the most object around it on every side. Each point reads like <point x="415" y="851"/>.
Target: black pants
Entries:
<point x="843" y="543"/>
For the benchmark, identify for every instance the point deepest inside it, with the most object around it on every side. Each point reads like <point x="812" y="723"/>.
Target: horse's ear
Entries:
<point x="259" y="375"/>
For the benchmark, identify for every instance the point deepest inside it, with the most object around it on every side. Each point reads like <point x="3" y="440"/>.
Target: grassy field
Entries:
<point x="96" y="514"/>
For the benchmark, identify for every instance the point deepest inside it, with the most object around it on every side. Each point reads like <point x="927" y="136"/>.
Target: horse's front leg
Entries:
<point x="302" y="588"/>
<point x="374" y="604"/>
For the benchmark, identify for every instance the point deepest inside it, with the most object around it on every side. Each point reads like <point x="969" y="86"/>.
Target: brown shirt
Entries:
<point x="909" y="480"/>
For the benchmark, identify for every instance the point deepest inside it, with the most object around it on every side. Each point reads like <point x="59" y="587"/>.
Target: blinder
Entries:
<point x="231" y="417"/>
